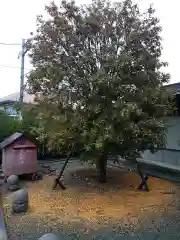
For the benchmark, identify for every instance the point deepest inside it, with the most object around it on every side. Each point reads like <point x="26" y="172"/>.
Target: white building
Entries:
<point x="8" y="102"/>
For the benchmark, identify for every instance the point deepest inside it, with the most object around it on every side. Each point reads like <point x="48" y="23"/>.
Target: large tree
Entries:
<point x="99" y="72"/>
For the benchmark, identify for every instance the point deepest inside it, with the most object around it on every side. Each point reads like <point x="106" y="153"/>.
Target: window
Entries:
<point x="11" y="111"/>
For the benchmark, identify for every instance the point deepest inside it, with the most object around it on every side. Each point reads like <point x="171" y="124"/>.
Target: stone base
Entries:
<point x="19" y="208"/>
<point x="48" y="236"/>
<point x="13" y="187"/>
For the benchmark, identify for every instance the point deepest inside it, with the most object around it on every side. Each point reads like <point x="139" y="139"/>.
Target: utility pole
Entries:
<point x="23" y="52"/>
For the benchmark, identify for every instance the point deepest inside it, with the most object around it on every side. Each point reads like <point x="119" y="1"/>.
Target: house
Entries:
<point x="170" y="155"/>
<point x="8" y="103"/>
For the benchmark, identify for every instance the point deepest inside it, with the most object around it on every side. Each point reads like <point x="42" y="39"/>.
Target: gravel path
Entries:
<point x="166" y="227"/>
<point x="162" y="228"/>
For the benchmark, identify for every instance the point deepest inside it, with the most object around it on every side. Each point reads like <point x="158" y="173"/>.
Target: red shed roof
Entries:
<point x="7" y="141"/>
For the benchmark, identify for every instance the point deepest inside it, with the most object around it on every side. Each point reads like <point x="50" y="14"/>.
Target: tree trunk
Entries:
<point x="101" y="166"/>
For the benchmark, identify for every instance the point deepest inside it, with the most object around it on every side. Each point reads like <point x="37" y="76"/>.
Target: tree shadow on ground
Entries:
<point x="116" y="179"/>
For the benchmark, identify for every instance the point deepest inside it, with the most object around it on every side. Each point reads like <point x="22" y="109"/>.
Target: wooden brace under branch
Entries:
<point x="58" y="182"/>
<point x="143" y="185"/>
<point x="144" y="178"/>
<point x="57" y="179"/>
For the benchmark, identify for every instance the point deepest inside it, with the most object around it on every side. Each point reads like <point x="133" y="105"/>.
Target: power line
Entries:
<point x="10" y="44"/>
<point x="6" y="66"/>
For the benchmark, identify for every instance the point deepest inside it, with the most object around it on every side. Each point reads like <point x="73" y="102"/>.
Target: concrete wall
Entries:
<point x="171" y="155"/>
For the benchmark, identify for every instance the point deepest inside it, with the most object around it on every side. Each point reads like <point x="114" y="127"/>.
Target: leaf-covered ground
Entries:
<point x="87" y="210"/>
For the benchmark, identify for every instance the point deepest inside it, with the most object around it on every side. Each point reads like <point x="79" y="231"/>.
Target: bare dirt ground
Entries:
<point x="89" y="210"/>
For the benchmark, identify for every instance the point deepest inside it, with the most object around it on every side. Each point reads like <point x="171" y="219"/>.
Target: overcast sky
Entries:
<point x="17" y="20"/>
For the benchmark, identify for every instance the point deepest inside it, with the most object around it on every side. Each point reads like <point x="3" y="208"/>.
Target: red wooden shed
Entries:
<point x="19" y="155"/>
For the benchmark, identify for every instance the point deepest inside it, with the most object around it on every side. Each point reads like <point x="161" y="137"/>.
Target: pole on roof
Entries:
<point x="22" y="71"/>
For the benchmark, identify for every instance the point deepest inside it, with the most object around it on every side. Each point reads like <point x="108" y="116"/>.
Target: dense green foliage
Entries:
<point x="26" y="123"/>
<point x="99" y="73"/>
<point x="8" y="125"/>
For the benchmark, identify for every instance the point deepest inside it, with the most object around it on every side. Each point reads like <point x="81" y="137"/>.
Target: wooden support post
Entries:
<point x="57" y="179"/>
<point x="143" y="185"/>
<point x="58" y="182"/>
<point x="144" y="178"/>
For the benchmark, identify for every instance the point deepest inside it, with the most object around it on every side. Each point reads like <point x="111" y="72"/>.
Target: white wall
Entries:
<point x="173" y="135"/>
<point x="173" y="143"/>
